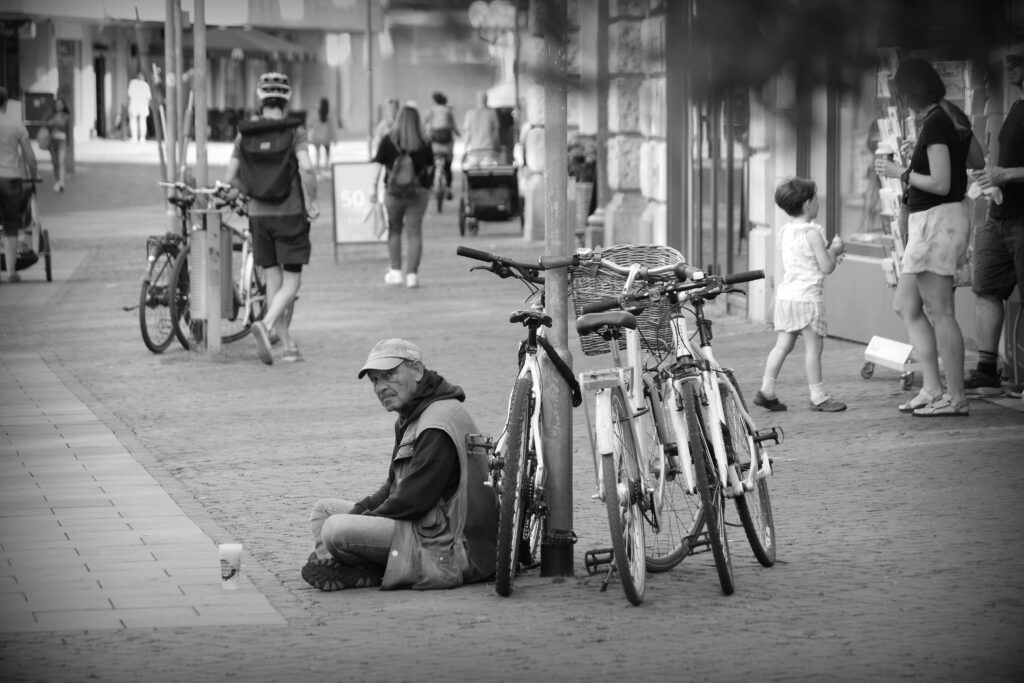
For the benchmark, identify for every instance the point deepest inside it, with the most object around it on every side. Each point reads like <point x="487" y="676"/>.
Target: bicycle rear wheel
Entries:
<point x="519" y="522"/>
<point x="711" y="488"/>
<point x="155" y="321"/>
<point x="754" y="507"/>
<point x="623" y="493"/>
<point x="674" y="515"/>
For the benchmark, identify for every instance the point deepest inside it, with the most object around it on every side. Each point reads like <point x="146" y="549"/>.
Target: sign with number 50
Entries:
<point x="352" y="200"/>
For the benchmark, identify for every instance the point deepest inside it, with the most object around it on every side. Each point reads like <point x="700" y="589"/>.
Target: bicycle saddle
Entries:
<point x="591" y="322"/>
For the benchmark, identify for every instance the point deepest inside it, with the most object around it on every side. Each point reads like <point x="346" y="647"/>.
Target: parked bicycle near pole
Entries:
<point x="518" y="466"/>
<point x="164" y="294"/>
<point x="727" y="453"/>
<point x="244" y="299"/>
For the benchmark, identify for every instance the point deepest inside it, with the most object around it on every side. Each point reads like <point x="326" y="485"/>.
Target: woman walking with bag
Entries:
<point x="407" y="159"/>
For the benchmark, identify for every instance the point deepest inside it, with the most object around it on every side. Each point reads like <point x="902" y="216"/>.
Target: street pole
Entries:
<point x="215" y="249"/>
<point x="170" y="101"/>
<point x="556" y="548"/>
<point x="369" y="79"/>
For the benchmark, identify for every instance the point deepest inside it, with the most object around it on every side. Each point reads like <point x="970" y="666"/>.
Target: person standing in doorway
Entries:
<point x="270" y="163"/>
<point x="139" y="97"/>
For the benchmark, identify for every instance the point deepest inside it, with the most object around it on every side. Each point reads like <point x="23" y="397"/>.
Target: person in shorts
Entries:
<point x="280" y="230"/>
<point x="16" y="157"/>
<point x="938" y="231"/>
<point x="999" y="243"/>
<point x="799" y="299"/>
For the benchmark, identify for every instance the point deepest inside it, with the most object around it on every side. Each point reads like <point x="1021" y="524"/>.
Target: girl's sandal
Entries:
<point x="943" y="407"/>
<point x="922" y="399"/>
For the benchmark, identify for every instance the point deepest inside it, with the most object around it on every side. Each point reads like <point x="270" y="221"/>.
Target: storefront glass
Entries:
<point x="860" y="221"/>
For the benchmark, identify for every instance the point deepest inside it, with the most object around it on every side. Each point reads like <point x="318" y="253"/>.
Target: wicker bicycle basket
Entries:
<point x="655" y="333"/>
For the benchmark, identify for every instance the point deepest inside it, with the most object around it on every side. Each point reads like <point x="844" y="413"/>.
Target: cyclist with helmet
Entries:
<point x="270" y="163"/>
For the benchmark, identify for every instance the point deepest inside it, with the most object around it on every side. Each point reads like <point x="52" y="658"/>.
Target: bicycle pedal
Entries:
<point x="593" y="560"/>
<point x="774" y="434"/>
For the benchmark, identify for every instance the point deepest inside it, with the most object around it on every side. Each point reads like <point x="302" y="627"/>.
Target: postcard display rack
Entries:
<point x="896" y="126"/>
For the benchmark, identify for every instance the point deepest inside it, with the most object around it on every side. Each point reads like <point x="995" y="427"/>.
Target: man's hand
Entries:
<point x="997" y="176"/>
<point x="313" y="212"/>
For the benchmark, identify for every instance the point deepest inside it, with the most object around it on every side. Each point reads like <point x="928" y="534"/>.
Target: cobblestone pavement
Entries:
<point x="900" y="542"/>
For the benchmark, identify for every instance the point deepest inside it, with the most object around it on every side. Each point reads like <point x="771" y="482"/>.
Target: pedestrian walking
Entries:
<point x="433" y="522"/>
<point x="799" y="299"/>
<point x="270" y="163"/>
<point x="59" y="125"/>
<point x="406" y="159"/>
<point x="321" y="135"/>
<point x="139" y="97"/>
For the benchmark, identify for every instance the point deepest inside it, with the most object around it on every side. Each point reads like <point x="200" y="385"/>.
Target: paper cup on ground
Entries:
<point x="230" y="565"/>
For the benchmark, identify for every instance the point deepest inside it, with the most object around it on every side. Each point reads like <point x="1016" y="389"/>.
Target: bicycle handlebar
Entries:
<point x="504" y="267"/>
<point x="709" y="286"/>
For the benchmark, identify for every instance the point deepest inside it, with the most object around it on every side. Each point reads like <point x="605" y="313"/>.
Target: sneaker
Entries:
<point x="448" y="194"/>
<point x="1016" y="391"/>
<point x="291" y="355"/>
<point x="773" y="404"/>
<point x="829" y="405"/>
<point x="393" y="277"/>
<point x="412" y="280"/>
<point x="14" y="277"/>
<point x="982" y="384"/>
<point x="331" y="575"/>
<point x="259" y="333"/>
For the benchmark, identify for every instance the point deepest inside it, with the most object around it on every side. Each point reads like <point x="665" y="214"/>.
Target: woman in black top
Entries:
<point x="938" y="231"/>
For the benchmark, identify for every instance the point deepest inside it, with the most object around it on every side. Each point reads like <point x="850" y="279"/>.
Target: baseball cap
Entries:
<point x="388" y="354"/>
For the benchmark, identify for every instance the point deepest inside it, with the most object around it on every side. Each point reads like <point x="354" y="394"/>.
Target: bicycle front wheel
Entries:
<point x="181" y="316"/>
<point x="155" y="320"/>
<point x="709" y="485"/>
<point x="519" y="522"/>
<point x="248" y="296"/>
<point x="623" y="495"/>
<point x="674" y="514"/>
<point x="754" y="507"/>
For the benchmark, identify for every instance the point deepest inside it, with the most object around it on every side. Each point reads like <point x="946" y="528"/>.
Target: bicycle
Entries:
<point x="727" y="454"/>
<point x="246" y="287"/>
<point x="517" y="466"/>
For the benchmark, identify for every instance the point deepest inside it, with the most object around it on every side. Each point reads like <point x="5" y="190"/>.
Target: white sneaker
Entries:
<point x="412" y="280"/>
<point x="393" y="277"/>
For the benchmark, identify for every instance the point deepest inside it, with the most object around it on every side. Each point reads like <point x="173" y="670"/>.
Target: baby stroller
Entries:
<point x="33" y="240"/>
<point x="490" y="186"/>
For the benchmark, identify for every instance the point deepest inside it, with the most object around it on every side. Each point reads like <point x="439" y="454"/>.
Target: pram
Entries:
<point x="33" y="240"/>
<point x="490" y="185"/>
<point x="490" y="191"/>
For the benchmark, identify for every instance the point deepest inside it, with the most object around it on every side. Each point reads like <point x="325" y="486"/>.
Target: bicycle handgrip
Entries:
<point x="747" y="276"/>
<point x="607" y="304"/>
<point x="552" y="262"/>
<point x="684" y="271"/>
<point x="469" y="252"/>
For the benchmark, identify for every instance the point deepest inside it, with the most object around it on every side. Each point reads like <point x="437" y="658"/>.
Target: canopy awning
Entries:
<point x="251" y="41"/>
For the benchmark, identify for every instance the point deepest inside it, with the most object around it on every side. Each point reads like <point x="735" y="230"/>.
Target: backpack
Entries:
<point x="403" y="178"/>
<point x="441" y="131"/>
<point x="266" y="155"/>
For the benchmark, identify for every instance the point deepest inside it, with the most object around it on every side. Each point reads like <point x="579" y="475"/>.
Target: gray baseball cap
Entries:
<point x="388" y="354"/>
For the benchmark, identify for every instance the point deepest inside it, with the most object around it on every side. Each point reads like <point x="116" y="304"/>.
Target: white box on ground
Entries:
<point x="888" y="353"/>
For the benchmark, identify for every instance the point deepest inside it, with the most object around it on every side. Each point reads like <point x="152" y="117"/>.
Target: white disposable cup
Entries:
<point x="230" y="565"/>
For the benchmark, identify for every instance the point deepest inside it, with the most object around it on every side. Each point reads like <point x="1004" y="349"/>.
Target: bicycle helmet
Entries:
<point x="274" y="86"/>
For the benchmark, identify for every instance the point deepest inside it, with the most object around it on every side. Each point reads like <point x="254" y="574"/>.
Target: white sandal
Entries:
<point x="922" y="399"/>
